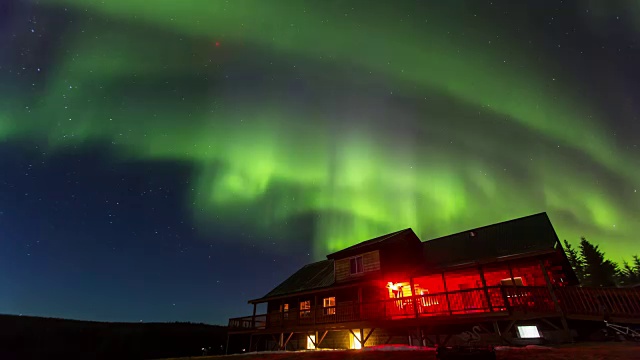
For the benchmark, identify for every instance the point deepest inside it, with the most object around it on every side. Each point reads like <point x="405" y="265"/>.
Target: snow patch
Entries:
<point x="398" y="348"/>
<point x="521" y="348"/>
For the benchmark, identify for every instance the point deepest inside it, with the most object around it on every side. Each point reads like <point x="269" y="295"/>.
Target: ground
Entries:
<point x="582" y="351"/>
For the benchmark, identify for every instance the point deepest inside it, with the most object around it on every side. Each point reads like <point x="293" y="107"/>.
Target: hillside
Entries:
<point x="27" y="337"/>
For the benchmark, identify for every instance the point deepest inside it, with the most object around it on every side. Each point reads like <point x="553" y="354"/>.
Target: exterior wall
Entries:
<point x="370" y="264"/>
<point x="401" y="255"/>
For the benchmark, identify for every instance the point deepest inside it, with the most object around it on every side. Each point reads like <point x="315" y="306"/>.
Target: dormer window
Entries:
<point x="356" y="265"/>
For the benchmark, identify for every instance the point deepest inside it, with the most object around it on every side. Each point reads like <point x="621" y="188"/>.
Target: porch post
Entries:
<point x="226" y="349"/>
<point x="315" y="310"/>
<point x="484" y="286"/>
<point x="446" y="293"/>
<point x="513" y="280"/>
<point x="413" y="298"/>
<point x="556" y="303"/>
<point x="359" y="302"/>
<point x="253" y="317"/>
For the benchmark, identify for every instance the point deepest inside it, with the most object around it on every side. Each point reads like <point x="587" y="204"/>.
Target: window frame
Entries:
<point x="284" y="309"/>
<point x="305" y="308"/>
<point x="329" y="307"/>
<point x="353" y="264"/>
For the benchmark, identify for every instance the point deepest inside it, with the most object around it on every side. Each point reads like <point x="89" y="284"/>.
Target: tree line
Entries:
<point x="593" y="269"/>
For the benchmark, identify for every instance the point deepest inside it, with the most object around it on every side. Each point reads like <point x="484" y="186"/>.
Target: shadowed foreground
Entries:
<point x="584" y="351"/>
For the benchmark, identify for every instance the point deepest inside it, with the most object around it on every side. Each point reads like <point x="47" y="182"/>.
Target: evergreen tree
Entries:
<point x="597" y="270"/>
<point x="577" y="264"/>
<point x="630" y="273"/>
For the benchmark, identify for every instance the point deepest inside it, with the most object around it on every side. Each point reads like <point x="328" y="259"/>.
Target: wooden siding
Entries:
<point x="370" y="264"/>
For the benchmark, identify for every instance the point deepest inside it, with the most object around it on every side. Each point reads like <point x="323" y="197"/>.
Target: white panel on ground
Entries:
<point x="528" y="332"/>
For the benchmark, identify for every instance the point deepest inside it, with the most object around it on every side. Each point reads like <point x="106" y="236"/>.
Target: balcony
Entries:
<point x="495" y="300"/>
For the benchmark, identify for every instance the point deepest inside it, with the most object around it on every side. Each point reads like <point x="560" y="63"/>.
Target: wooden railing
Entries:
<point x="463" y="302"/>
<point x="249" y="322"/>
<point x="500" y="299"/>
<point x="613" y="302"/>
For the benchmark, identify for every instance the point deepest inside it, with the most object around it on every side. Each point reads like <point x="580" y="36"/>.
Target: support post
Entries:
<point x="414" y="302"/>
<point x="496" y="328"/>
<point x="563" y="320"/>
<point x="281" y="342"/>
<point x="359" y="302"/>
<point x="253" y="317"/>
<point x="226" y="349"/>
<point x="446" y="293"/>
<point x="484" y="286"/>
<point x="287" y="341"/>
<point x="315" y="308"/>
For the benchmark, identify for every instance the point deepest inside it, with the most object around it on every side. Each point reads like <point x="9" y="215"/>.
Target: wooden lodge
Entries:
<point x="509" y="282"/>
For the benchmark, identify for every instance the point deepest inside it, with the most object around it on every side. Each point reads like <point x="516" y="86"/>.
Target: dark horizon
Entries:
<point x="169" y="162"/>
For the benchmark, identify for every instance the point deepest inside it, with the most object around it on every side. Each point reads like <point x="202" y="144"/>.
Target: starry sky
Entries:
<point x="169" y="160"/>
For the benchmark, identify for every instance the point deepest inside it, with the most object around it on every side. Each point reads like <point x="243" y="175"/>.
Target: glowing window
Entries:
<point x="311" y="339"/>
<point x="528" y="332"/>
<point x="329" y="305"/>
<point x="305" y="308"/>
<point x="354" y="340"/>
<point x="509" y="282"/>
<point x="356" y="265"/>
<point x="284" y="308"/>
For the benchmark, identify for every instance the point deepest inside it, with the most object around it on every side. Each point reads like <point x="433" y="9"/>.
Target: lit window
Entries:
<point x="528" y="332"/>
<point x="354" y="340"/>
<point x="356" y="265"/>
<point x="329" y="305"/>
<point x="305" y="308"/>
<point x="311" y="339"/>
<point x="509" y="282"/>
<point x="284" y="308"/>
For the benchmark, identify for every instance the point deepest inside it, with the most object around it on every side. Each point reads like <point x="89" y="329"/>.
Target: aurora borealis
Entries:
<point x="307" y="126"/>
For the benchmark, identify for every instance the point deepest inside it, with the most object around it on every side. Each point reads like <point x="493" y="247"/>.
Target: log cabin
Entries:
<point x="508" y="282"/>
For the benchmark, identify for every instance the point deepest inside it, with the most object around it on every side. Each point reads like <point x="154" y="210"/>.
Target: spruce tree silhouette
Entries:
<point x="598" y="272"/>
<point x="577" y="263"/>
<point x="630" y="273"/>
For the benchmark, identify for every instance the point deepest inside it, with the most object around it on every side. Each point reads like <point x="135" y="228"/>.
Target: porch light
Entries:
<point x="528" y="332"/>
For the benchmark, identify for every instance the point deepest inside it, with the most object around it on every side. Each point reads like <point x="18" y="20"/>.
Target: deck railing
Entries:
<point x="613" y="302"/>
<point x="499" y="299"/>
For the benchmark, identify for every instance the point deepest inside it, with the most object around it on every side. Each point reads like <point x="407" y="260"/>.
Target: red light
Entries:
<point x="217" y="43"/>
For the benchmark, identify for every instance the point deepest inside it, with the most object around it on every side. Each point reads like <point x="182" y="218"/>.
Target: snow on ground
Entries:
<point x="581" y="351"/>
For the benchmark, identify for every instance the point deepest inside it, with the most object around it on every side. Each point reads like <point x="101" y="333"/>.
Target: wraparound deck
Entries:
<point x="500" y="301"/>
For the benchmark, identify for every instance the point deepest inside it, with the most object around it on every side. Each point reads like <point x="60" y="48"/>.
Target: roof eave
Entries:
<point x="307" y="292"/>
<point x="493" y="260"/>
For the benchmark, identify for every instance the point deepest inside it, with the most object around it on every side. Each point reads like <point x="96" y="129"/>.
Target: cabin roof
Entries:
<point x="312" y="276"/>
<point x="368" y="244"/>
<point x="529" y="234"/>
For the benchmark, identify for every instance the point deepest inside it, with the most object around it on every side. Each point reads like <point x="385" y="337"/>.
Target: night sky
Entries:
<point x="168" y="160"/>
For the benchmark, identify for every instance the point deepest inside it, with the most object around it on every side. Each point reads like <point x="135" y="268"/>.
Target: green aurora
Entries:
<point x="340" y="116"/>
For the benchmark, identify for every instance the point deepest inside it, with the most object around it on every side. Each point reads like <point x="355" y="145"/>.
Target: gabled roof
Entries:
<point x="529" y="234"/>
<point x="312" y="276"/>
<point x="369" y="244"/>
